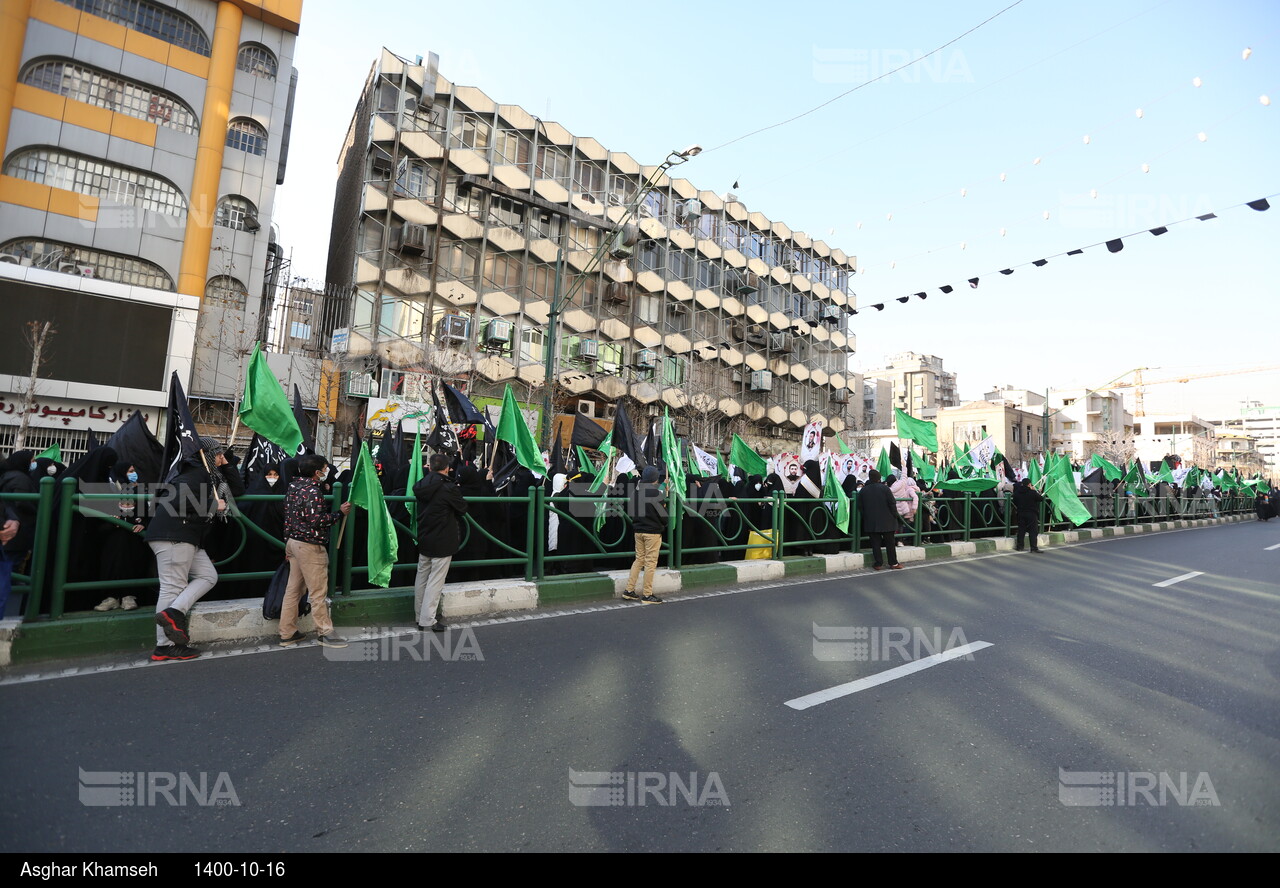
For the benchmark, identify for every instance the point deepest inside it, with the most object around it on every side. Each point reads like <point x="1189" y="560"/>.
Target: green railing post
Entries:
<point x="967" y="515"/>
<point x="1008" y="514"/>
<point x="918" y="520"/>
<point x="348" y="555"/>
<point x="675" y="518"/>
<point x="535" y="540"/>
<point x="334" y="551"/>
<point x="855" y="524"/>
<point x="40" y="546"/>
<point x="779" y="517"/>
<point x="61" y="552"/>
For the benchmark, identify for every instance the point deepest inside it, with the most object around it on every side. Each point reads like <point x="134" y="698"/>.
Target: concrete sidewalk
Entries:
<point x="242" y="620"/>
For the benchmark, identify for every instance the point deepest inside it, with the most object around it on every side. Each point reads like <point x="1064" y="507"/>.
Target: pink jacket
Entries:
<point x="907" y="495"/>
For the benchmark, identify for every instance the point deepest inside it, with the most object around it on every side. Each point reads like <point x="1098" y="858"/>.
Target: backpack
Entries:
<point x="273" y="601"/>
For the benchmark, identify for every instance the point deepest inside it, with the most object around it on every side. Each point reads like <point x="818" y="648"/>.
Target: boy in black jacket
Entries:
<point x="648" y="521"/>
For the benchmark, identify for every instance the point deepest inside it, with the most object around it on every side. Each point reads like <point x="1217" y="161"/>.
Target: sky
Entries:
<point x="937" y="173"/>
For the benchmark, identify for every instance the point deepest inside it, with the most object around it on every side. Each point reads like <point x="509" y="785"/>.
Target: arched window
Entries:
<point x="94" y="87"/>
<point x="226" y="291"/>
<point x="148" y="18"/>
<point x="84" y="262"/>
<point x="96" y="178"/>
<point x="258" y="61"/>
<point x="246" y="135"/>
<point x="237" y="213"/>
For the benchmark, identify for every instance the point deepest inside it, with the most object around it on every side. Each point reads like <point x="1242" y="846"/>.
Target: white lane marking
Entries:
<point x="1269" y="548"/>
<point x="888" y="675"/>
<point x="1185" y="576"/>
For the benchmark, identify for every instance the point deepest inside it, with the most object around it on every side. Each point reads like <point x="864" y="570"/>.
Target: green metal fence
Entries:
<point x="599" y="527"/>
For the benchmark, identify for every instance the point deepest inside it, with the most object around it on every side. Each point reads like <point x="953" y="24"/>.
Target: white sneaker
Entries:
<point x="108" y="604"/>
<point x="129" y="603"/>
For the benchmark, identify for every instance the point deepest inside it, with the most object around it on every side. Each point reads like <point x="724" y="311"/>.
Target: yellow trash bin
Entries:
<point x="765" y="541"/>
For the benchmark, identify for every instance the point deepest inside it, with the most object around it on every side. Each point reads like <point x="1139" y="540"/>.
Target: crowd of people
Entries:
<point x="174" y="540"/>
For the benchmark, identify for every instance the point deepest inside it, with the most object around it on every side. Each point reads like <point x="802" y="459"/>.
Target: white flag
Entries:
<point x="706" y="461"/>
<point x="982" y="453"/>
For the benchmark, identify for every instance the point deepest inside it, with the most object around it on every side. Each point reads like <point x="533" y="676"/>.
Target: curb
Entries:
<point x="242" y="620"/>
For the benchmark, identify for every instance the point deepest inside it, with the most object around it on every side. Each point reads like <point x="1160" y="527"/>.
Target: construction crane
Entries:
<point x="1139" y="383"/>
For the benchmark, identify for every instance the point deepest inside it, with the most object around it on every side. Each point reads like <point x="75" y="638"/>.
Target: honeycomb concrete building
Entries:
<point x="462" y="224"/>
<point x="143" y="142"/>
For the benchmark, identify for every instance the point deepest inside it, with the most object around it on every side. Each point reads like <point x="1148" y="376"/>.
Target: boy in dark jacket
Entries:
<point x="1027" y="500"/>
<point x="306" y="534"/>
<point x="184" y="511"/>
<point x="648" y="521"/>
<point x="440" y="509"/>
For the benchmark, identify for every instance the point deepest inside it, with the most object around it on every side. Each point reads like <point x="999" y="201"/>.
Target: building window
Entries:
<point x="674" y="371"/>
<point x="532" y="342"/>
<point x="148" y="18"/>
<point x="553" y="164"/>
<point x="93" y="87"/>
<point x="246" y="135"/>
<point x="417" y="179"/>
<point x="511" y="147"/>
<point x="226" y="291"/>
<point x="258" y="61"/>
<point x="87" y="263"/>
<point x="469" y="131"/>
<point x="588" y="178"/>
<point x="96" y="178"/>
<point x="610" y="358"/>
<point x="237" y="213"/>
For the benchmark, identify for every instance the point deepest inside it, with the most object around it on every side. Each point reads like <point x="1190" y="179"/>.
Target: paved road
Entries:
<point x="1092" y="668"/>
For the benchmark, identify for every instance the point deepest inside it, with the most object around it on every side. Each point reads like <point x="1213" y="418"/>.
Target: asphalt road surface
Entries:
<point x="1106" y="712"/>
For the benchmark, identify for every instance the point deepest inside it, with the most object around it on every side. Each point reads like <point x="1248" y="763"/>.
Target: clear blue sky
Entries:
<point x="647" y="78"/>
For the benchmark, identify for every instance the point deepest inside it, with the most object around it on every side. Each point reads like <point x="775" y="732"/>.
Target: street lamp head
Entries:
<point x="691" y="151"/>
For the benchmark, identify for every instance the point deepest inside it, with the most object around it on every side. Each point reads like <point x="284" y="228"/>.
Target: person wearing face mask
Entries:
<point x="306" y="530"/>
<point x="266" y="514"/>
<point x="648" y="521"/>
<point x="124" y="554"/>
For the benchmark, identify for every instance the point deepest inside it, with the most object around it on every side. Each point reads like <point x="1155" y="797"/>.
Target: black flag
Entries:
<point x="461" y="410"/>
<point x="136" y="446"/>
<point x="262" y="455"/>
<point x="180" y="439"/>
<point x="557" y="459"/>
<point x="304" y="423"/>
<point x="442" y="437"/>
<point x="587" y="433"/>
<point x="91" y="442"/>
<point x="624" y="438"/>
<point x="895" y="457"/>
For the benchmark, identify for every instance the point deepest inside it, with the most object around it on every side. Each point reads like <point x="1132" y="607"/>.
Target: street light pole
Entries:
<point x="559" y="299"/>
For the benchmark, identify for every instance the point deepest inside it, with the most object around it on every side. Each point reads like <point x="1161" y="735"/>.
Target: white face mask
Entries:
<point x="271" y="482"/>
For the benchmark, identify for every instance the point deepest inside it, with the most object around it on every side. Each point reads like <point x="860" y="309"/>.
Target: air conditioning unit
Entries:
<point x="757" y="336"/>
<point x="840" y="397"/>
<point x="15" y="259"/>
<point x="498" y="332"/>
<point x="688" y="209"/>
<point x="831" y="314"/>
<point x="646" y="359"/>
<point x="456" y="328"/>
<point x="776" y="432"/>
<point x="588" y="349"/>
<point x="587" y="408"/>
<point x="779" y="342"/>
<point x="738" y="331"/>
<point x="622" y="242"/>
<point x="360" y="385"/>
<point x="750" y="282"/>
<point x="761" y="381"/>
<point x="736" y="377"/>
<point x="813" y="316"/>
<point x="792" y="266"/>
<point x="251" y="223"/>
<point x="608" y="411"/>
<point x="413" y="238"/>
<point x="617" y="292"/>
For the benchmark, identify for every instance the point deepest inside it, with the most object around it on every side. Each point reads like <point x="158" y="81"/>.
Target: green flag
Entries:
<point x="883" y="466"/>
<point x="603" y="473"/>
<point x="833" y="490"/>
<point x="845" y="449"/>
<point x="415" y="475"/>
<point x="671" y="456"/>
<point x="695" y="471"/>
<point x="1164" y="473"/>
<point x="265" y="407"/>
<point x="724" y="469"/>
<point x="366" y="492"/>
<point x="1134" y="478"/>
<point x="747" y="459"/>
<point x="1110" y="470"/>
<point x="1034" y="472"/>
<point x="54" y="453"/>
<point x="1061" y="492"/>
<point x="515" y="431"/>
<point x="921" y="431"/>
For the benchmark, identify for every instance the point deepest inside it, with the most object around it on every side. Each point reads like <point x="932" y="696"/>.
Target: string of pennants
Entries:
<point x="1114" y="245"/>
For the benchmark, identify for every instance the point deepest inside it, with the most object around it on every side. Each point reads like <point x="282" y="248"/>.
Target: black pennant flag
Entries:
<point x="624" y="438"/>
<point x="181" y="442"/>
<point x="587" y="433"/>
<point x="136" y="446"/>
<point x="304" y="423"/>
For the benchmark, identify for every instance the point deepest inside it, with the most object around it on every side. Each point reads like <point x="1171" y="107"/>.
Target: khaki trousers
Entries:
<point x="309" y="569"/>
<point x="647" y="546"/>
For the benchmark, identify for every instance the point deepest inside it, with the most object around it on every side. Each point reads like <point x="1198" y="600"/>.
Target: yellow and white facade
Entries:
<point x="143" y="141"/>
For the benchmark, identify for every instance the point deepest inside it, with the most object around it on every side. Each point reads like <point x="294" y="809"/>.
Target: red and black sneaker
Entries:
<point x="174" y="652"/>
<point x="173" y="623"/>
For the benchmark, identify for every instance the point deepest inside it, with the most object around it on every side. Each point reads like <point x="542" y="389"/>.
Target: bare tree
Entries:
<point x="1116" y="446"/>
<point x="37" y="336"/>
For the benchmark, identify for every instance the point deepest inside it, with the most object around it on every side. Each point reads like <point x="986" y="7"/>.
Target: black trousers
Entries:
<point x="1028" y="525"/>
<point x="886" y="541"/>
